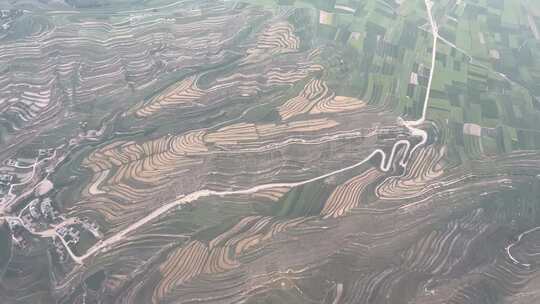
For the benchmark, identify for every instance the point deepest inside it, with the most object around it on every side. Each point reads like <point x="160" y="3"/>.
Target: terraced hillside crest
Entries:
<point x="209" y="151"/>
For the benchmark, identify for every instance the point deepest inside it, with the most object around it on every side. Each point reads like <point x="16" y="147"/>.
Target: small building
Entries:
<point x="45" y="152"/>
<point x="326" y="17"/>
<point x="47" y="209"/>
<point x="27" y="218"/>
<point x="413" y="79"/>
<point x="11" y="162"/>
<point x="34" y="212"/>
<point x="72" y="236"/>
<point x="62" y="231"/>
<point x="6" y="178"/>
<point x="74" y="232"/>
<point x="13" y="223"/>
<point x="472" y="129"/>
<point x="3" y="189"/>
<point x="356" y="36"/>
<point x="494" y="54"/>
<point x="481" y="38"/>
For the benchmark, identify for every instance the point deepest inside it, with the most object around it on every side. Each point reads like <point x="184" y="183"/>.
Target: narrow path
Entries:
<point x="509" y="247"/>
<point x="435" y="33"/>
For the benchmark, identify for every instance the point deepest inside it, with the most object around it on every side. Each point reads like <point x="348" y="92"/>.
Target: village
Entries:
<point x="33" y="212"/>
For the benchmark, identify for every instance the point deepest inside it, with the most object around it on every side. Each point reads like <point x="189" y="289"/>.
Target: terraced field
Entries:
<point x="269" y="151"/>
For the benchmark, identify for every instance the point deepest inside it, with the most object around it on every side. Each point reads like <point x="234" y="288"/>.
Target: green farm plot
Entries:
<point x="468" y="85"/>
<point x="304" y="200"/>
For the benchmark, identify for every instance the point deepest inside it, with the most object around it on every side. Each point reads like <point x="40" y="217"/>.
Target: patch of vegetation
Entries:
<point x="304" y="200"/>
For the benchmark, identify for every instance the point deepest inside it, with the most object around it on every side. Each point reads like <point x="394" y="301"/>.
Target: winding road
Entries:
<point x="385" y="165"/>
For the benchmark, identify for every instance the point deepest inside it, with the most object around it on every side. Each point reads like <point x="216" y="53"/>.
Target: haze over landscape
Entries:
<point x="270" y="151"/>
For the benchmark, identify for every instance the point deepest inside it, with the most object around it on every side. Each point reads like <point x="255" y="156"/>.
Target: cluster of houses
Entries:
<point x="36" y="216"/>
<point x="69" y="234"/>
<point x="40" y="213"/>
<point x="60" y="250"/>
